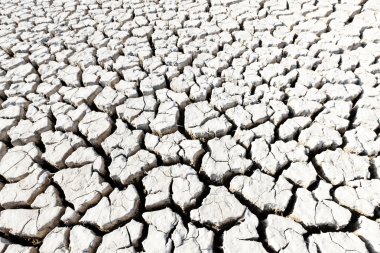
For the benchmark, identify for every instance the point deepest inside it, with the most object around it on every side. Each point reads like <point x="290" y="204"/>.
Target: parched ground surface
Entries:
<point x="190" y="126"/>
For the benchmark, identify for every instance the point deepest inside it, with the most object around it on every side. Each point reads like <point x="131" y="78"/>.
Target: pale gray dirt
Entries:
<point x="192" y="126"/>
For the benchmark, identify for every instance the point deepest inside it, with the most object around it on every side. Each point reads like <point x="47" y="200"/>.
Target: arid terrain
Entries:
<point x="192" y="126"/>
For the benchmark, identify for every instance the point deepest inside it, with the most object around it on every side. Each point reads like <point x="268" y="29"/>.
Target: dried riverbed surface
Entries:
<point x="189" y="126"/>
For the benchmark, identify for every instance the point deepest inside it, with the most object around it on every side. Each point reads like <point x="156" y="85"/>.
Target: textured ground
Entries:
<point x="190" y="126"/>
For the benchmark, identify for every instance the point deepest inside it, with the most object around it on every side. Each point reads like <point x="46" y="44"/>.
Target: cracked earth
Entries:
<point x="191" y="126"/>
